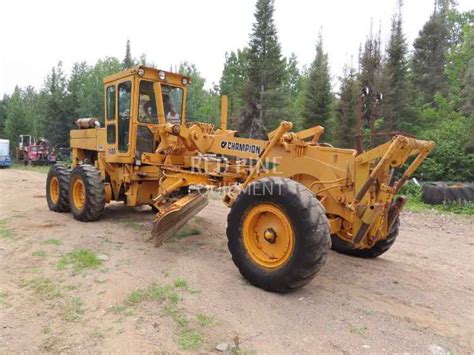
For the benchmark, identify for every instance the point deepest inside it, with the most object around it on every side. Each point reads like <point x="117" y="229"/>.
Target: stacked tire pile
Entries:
<point x="437" y="193"/>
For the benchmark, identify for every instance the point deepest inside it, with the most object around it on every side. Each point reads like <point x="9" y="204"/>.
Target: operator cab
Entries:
<point x="136" y="101"/>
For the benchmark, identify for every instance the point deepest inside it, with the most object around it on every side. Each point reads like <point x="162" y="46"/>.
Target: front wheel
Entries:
<point x="86" y="193"/>
<point x="278" y="234"/>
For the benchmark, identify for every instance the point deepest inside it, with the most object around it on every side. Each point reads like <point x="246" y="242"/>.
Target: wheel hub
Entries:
<point x="54" y="190"/>
<point x="268" y="235"/>
<point x="79" y="194"/>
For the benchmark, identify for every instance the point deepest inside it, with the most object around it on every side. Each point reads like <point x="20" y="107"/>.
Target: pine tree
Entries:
<point x="429" y="58"/>
<point x="346" y="115"/>
<point x="397" y="111"/>
<point x="57" y="121"/>
<point x="370" y="62"/>
<point x="93" y="101"/>
<point x="264" y="99"/>
<point x="202" y="105"/>
<point x="467" y="92"/>
<point x="76" y="88"/>
<point x="16" y="122"/>
<point x="234" y="79"/>
<point x="370" y="72"/>
<point x="294" y="91"/>
<point x="317" y="99"/>
<point x="293" y="82"/>
<point x="460" y="63"/>
<point x="32" y="108"/>
<point x="128" y="60"/>
<point x="3" y="114"/>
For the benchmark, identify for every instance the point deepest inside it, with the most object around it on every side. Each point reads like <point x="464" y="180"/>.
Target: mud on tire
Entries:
<point x="57" y="188"/>
<point x="310" y="228"/>
<point x="89" y="205"/>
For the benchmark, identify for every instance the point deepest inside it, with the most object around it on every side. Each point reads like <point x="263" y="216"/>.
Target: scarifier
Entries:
<point x="289" y="196"/>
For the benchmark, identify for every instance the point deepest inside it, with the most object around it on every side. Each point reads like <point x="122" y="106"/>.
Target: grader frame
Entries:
<point x="184" y="159"/>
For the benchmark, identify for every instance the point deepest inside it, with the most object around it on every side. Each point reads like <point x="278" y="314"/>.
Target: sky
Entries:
<point x="36" y="35"/>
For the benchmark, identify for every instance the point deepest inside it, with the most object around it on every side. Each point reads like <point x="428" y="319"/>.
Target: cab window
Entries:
<point x="147" y="112"/>
<point x="124" y="99"/>
<point x="110" y="103"/>
<point x="172" y="103"/>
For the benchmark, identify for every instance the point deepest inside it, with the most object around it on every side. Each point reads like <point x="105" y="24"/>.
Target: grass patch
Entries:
<point x="53" y="242"/>
<point x="40" y="253"/>
<point x="185" y="232"/>
<point x="199" y="220"/>
<point x="189" y="339"/>
<point x="358" y="330"/>
<point x="188" y="335"/>
<point x="39" y="168"/>
<point x="138" y="226"/>
<point x="416" y="204"/>
<point x="71" y="287"/>
<point x="43" y="287"/>
<point x="46" y="330"/>
<point x="97" y="335"/>
<point x="118" y="308"/>
<point x="79" y="260"/>
<point x="72" y="309"/>
<point x="181" y="283"/>
<point x="5" y="232"/>
<point x="154" y="292"/>
<point x="3" y="298"/>
<point x="204" y="321"/>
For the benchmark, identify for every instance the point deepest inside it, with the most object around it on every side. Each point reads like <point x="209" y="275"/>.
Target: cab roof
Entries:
<point x="151" y="74"/>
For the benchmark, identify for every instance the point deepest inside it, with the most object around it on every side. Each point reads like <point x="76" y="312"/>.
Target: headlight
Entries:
<point x="162" y="75"/>
<point x="141" y="71"/>
<point x="184" y="81"/>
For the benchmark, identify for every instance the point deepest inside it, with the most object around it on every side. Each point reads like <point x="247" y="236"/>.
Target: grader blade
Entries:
<point x="176" y="216"/>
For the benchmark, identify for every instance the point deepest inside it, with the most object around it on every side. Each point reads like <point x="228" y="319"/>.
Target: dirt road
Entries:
<point x="68" y="286"/>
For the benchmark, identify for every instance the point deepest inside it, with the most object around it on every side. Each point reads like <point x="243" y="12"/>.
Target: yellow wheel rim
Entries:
<point x="268" y="236"/>
<point x="54" y="189"/>
<point x="78" y="194"/>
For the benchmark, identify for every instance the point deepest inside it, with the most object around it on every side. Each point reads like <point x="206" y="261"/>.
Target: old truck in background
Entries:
<point x="33" y="151"/>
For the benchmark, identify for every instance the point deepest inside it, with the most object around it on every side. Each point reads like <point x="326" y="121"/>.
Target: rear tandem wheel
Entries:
<point x="379" y="248"/>
<point x="57" y="188"/>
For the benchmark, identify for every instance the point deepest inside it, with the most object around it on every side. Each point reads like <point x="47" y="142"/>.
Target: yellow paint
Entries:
<point x="188" y="154"/>
<point x="268" y="236"/>
<point x="78" y="194"/>
<point x="54" y="189"/>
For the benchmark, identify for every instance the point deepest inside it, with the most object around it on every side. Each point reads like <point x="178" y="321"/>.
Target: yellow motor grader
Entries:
<point x="289" y="196"/>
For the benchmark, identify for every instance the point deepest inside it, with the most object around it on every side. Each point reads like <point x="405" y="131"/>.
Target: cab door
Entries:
<point x="119" y="110"/>
<point x="147" y="118"/>
<point x="110" y="98"/>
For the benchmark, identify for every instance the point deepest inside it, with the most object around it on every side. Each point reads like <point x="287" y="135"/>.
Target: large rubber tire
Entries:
<point x="308" y="221"/>
<point x="57" y="188"/>
<point x="93" y="201"/>
<point x="437" y="193"/>
<point x="379" y="248"/>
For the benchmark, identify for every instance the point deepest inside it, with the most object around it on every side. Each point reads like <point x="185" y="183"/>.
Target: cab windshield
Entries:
<point x="147" y="112"/>
<point x="172" y="103"/>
